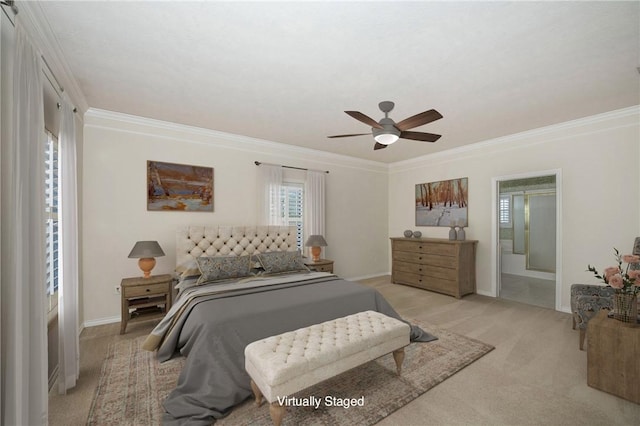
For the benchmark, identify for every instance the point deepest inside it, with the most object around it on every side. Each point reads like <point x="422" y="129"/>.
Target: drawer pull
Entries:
<point x="420" y="258"/>
<point x="148" y="290"/>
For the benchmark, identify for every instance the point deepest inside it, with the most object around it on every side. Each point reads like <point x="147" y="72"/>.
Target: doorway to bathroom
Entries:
<point x="526" y="234"/>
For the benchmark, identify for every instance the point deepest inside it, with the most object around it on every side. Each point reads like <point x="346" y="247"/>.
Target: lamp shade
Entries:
<point x="316" y="241"/>
<point x="146" y="249"/>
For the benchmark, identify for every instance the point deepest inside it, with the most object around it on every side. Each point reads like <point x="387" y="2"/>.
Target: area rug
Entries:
<point x="133" y="385"/>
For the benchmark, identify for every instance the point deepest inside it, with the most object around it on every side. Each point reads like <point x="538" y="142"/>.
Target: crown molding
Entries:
<point x="523" y="139"/>
<point x="99" y="118"/>
<point x="135" y="124"/>
<point x="35" y="22"/>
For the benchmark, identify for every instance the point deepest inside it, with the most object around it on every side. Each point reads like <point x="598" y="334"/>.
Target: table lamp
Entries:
<point x="316" y="242"/>
<point x="146" y="252"/>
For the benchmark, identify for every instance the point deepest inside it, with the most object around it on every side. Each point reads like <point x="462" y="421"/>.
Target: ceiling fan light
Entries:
<point x="388" y="135"/>
<point x="386" y="138"/>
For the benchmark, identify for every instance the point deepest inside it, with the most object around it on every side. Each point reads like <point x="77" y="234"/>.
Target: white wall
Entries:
<point x="598" y="157"/>
<point x="116" y="149"/>
<point x="367" y="202"/>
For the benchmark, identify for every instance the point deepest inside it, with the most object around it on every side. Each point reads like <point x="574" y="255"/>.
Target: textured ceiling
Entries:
<point x="285" y="72"/>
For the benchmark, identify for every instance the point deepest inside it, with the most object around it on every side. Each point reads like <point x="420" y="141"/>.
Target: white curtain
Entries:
<point x="314" y="206"/>
<point x="269" y="188"/>
<point x="24" y="321"/>
<point x="69" y="346"/>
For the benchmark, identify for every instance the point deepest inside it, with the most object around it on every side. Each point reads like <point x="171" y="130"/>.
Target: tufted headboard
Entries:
<point x="195" y="241"/>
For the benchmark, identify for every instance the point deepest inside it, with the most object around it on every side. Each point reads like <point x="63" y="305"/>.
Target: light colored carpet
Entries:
<point x="133" y="385"/>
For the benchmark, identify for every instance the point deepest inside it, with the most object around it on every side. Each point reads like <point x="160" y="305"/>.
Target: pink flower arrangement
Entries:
<point x="620" y="277"/>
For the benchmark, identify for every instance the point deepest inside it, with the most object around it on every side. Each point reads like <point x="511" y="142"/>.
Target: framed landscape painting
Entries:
<point x="179" y="187"/>
<point x="442" y="203"/>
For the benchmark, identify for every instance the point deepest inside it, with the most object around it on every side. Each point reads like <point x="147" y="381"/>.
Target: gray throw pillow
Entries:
<point x="223" y="268"/>
<point x="282" y="261"/>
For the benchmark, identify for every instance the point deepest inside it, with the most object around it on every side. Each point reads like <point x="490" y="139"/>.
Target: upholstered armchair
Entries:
<point x="586" y="301"/>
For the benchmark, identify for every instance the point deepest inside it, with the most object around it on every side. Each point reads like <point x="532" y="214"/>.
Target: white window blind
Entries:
<point x="292" y="201"/>
<point x="51" y="213"/>
<point x="505" y="211"/>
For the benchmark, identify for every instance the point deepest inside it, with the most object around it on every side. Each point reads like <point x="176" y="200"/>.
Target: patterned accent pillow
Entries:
<point x="276" y="262"/>
<point x="222" y="268"/>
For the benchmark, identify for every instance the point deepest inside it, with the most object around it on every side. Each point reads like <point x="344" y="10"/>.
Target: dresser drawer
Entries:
<point x="425" y="247"/>
<point x="431" y="283"/>
<point x="426" y="270"/>
<point x="145" y="290"/>
<point x="426" y="259"/>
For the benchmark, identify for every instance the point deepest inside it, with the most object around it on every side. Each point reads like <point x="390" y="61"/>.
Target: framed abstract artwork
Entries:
<point x="179" y="187"/>
<point x="442" y="203"/>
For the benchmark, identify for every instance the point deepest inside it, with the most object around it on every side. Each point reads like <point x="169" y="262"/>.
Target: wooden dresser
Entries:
<point x="435" y="264"/>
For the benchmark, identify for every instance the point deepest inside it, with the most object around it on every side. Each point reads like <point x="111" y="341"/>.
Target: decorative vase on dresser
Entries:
<point x="435" y="264"/>
<point x="453" y="235"/>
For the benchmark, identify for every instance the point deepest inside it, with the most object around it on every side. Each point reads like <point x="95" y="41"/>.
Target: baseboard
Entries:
<point x="100" y="321"/>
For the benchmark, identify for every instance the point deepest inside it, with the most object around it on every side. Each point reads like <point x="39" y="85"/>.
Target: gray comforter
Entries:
<point x="214" y="330"/>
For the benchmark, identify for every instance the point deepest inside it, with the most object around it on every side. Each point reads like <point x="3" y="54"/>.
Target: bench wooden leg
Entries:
<point x="398" y="356"/>
<point x="256" y="393"/>
<point x="277" y="412"/>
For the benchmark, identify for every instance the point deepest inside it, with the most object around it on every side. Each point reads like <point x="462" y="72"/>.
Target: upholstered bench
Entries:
<point x="290" y="362"/>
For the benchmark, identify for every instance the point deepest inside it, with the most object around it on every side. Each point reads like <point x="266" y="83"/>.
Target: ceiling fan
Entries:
<point x="386" y="131"/>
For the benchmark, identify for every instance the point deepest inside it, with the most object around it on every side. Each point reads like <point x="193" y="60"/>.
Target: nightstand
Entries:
<point x="144" y="298"/>
<point x="323" y="265"/>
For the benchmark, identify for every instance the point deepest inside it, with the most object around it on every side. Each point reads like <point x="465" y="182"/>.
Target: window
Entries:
<point x="51" y="212"/>
<point x="292" y="202"/>
<point x="505" y="211"/>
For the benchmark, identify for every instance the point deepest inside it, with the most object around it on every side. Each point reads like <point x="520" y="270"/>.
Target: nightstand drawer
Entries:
<point x="145" y="290"/>
<point x="323" y="268"/>
<point x="322" y="265"/>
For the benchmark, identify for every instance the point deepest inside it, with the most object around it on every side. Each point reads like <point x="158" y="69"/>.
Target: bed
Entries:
<point x="211" y="323"/>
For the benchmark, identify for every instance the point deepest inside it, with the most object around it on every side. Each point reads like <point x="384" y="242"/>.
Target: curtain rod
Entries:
<point x="11" y="4"/>
<point x="257" y="163"/>
<point x="59" y="87"/>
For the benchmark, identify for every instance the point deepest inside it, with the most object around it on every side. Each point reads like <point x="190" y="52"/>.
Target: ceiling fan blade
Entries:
<point x="419" y="120"/>
<point x="419" y="136"/>
<point x="348" y="136"/>
<point x="379" y="146"/>
<point x="365" y="119"/>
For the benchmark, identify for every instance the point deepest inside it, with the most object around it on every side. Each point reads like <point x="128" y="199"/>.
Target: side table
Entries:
<point x="322" y="265"/>
<point x="613" y="353"/>
<point x="144" y="298"/>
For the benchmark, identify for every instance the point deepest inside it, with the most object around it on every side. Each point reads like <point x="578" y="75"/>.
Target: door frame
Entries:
<point x="495" y="228"/>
